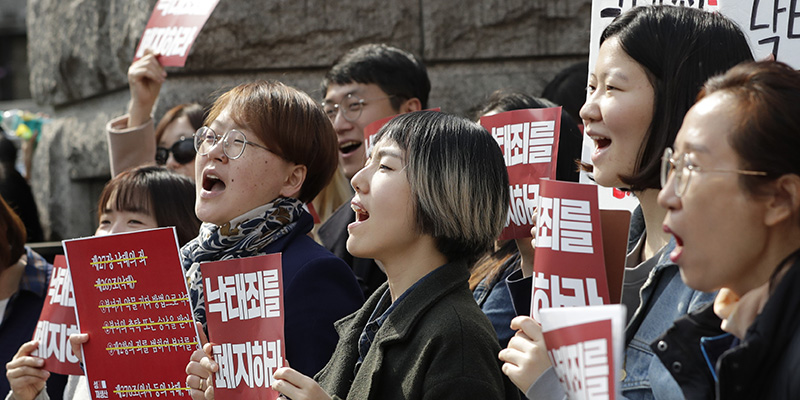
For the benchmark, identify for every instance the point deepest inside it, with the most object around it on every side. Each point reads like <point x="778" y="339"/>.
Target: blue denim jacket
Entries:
<point x="664" y="298"/>
<point x="494" y="299"/>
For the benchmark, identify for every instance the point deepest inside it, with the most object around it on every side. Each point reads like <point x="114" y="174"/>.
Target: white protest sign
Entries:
<point x="772" y="27"/>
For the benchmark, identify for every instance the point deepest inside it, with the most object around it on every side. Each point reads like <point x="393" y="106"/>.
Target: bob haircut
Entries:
<point x="767" y="136"/>
<point x="570" y="142"/>
<point x="192" y="111"/>
<point x="290" y="123"/>
<point x="679" y="49"/>
<point x="155" y="191"/>
<point x="458" y="180"/>
<point x="398" y="73"/>
<point x="12" y="236"/>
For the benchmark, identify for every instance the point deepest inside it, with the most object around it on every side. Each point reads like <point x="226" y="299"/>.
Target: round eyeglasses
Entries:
<point x="681" y="171"/>
<point x="351" y="107"/>
<point x="233" y="142"/>
<point x="182" y="151"/>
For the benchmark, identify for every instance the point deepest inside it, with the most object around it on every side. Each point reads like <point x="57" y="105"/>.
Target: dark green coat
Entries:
<point x="436" y="344"/>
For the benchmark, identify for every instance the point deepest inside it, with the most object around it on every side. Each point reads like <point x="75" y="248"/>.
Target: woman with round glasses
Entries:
<point x="132" y="138"/>
<point x="651" y="64"/>
<point x="732" y="194"/>
<point x="265" y="150"/>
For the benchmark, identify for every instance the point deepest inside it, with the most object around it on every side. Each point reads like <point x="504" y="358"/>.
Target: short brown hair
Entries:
<point x="290" y="123"/>
<point x="767" y="134"/>
<point x="12" y="236"/>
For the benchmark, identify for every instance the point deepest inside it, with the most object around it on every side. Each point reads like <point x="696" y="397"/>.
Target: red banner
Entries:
<point x="529" y="140"/>
<point x="172" y="29"/>
<point x="568" y="266"/>
<point x="56" y="322"/>
<point x="132" y="300"/>
<point x="244" y="310"/>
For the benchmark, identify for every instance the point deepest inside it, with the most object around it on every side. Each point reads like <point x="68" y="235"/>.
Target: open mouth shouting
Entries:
<point x="349" y="146"/>
<point x="361" y="214"/>
<point x="212" y="184"/>
<point x="675" y="255"/>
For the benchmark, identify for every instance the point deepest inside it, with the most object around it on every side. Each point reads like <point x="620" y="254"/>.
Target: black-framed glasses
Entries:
<point x="233" y="142"/>
<point x="182" y="151"/>
<point x="351" y="106"/>
<point x="681" y="171"/>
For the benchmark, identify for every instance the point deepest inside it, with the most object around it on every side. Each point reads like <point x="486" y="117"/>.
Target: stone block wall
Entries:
<point x="79" y="52"/>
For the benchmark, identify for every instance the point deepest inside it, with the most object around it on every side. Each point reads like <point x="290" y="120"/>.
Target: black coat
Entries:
<point x="765" y="365"/>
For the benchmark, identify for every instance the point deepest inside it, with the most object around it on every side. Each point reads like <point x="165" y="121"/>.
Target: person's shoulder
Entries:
<point x="303" y="249"/>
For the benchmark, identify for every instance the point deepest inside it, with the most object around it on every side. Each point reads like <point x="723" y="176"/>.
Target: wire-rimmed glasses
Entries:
<point x="351" y="106"/>
<point x="233" y="142"/>
<point x="681" y="171"/>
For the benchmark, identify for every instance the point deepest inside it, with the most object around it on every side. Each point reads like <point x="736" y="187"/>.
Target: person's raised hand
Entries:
<point x="25" y="374"/>
<point x="525" y="358"/>
<point x="145" y="77"/>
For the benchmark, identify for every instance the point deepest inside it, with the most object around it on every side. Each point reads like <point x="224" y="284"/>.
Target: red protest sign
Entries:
<point x="56" y="322"/>
<point x="172" y="28"/>
<point x="132" y="300"/>
<point x="244" y="310"/>
<point x="372" y="129"/>
<point x="529" y="140"/>
<point x="568" y="266"/>
<point x="585" y="348"/>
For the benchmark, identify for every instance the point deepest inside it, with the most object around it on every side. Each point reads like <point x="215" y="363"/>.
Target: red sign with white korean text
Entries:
<point x="244" y="310"/>
<point x="568" y="266"/>
<point x="372" y="129"/>
<point x="56" y="322"/>
<point x="585" y="347"/>
<point x="173" y="27"/>
<point x="132" y="300"/>
<point x="529" y="140"/>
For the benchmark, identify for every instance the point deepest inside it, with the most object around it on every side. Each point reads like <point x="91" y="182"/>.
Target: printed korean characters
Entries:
<point x="585" y="346"/>
<point x="131" y="298"/>
<point x="529" y="141"/>
<point x="244" y="309"/>
<point x="56" y="322"/>
<point x="172" y="29"/>
<point x="569" y="265"/>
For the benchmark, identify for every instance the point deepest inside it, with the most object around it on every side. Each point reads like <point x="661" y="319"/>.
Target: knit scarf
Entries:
<point x="244" y="236"/>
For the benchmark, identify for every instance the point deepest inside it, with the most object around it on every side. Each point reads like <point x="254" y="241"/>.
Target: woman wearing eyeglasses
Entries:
<point x="732" y="191"/>
<point x="132" y="138"/>
<point x="265" y="150"/>
<point x="651" y="64"/>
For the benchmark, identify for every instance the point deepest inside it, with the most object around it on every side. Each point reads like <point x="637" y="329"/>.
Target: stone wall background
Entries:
<point x="79" y="52"/>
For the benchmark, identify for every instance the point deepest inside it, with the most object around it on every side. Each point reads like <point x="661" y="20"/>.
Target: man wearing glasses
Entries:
<point x="368" y="83"/>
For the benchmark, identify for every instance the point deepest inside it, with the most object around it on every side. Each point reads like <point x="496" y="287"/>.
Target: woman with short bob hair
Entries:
<point x="432" y="197"/>
<point x="732" y="191"/>
<point x="267" y="149"/>
<point x="287" y="122"/>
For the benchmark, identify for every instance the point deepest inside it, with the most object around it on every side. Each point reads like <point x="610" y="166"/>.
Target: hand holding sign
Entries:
<point x="526" y="356"/>
<point x="25" y="373"/>
<point x="145" y="77"/>
<point x="201" y="368"/>
<point x="297" y="386"/>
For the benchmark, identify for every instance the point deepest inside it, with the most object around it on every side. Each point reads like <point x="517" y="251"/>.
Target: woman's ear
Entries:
<point x="412" y="104"/>
<point x="785" y="200"/>
<point x="295" y="178"/>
